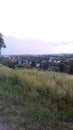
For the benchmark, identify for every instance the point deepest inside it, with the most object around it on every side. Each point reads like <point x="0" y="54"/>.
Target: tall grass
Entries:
<point x="44" y="97"/>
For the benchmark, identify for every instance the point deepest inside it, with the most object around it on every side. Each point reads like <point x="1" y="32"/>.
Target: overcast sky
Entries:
<point x="48" y="20"/>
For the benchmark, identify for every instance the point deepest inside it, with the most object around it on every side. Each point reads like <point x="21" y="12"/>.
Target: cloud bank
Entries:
<point x="32" y="46"/>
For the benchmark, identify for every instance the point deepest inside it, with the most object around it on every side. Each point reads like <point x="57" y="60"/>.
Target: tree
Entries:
<point x="71" y="68"/>
<point x="33" y="64"/>
<point x="45" y="66"/>
<point x="62" y="67"/>
<point x="2" y="44"/>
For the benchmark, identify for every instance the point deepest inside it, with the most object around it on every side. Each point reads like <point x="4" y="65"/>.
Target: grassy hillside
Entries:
<point x="36" y="100"/>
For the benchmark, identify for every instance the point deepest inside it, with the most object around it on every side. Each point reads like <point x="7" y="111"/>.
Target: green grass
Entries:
<point x="36" y="100"/>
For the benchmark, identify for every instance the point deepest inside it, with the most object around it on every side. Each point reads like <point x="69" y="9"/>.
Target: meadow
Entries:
<point x="36" y="100"/>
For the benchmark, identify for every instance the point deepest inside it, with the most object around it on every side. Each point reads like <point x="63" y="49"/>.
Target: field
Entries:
<point x="36" y="100"/>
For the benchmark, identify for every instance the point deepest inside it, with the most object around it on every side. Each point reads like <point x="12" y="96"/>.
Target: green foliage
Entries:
<point x="42" y="98"/>
<point x="62" y="67"/>
<point x="33" y="64"/>
<point x="2" y="44"/>
<point x="71" y="68"/>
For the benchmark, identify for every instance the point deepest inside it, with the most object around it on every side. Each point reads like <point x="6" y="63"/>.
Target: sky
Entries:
<point x="50" y="21"/>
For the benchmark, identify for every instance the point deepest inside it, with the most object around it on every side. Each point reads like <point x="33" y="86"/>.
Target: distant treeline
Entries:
<point x="63" y="67"/>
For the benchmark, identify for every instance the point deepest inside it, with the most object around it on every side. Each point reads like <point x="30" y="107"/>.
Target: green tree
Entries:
<point x="62" y="67"/>
<point x="2" y="44"/>
<point x="33" y="64"/>
<point x="71" y="68"/>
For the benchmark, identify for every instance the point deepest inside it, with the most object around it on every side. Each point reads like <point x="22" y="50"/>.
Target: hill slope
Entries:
<point x="36" y="100"/>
